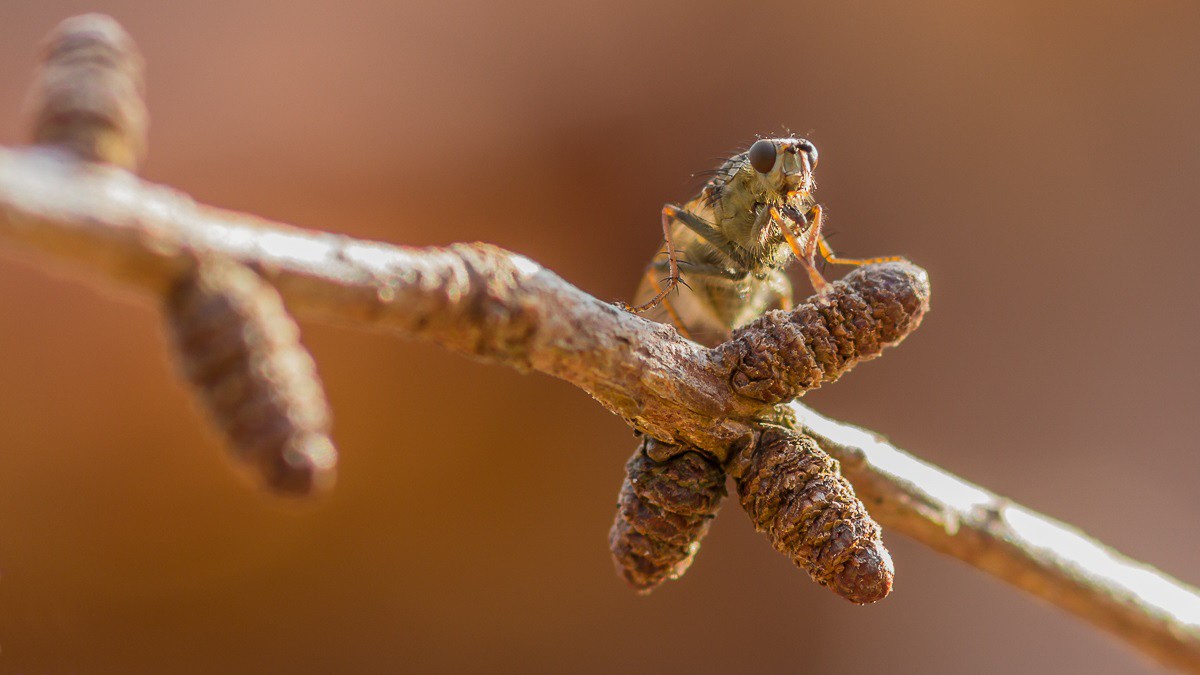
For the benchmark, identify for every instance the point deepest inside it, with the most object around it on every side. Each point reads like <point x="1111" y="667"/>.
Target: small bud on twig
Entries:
<point x="664" y="510"/>
<point x="87" y="97"/>
<point x="791" y="488"/>
<point x="240" y="348"/>
<point x="795" y="493"/>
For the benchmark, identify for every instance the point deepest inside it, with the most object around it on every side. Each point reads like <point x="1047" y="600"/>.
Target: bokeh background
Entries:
<point x="1039" y="159"/>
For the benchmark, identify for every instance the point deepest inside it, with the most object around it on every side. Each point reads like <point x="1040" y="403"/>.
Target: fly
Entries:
<point x="728" y="247"/>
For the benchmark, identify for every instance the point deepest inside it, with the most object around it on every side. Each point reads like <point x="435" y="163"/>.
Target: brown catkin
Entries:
<point x="795" y="493"/>
<point x="240" y="348"/>
<point x="783" y="354"/>
<point x="87" y="96"/>
<point x="663" y="511"/>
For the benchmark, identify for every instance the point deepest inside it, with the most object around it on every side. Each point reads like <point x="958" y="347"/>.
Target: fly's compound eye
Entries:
<point x="762" y="155"/>
<point x="809" y="151"/>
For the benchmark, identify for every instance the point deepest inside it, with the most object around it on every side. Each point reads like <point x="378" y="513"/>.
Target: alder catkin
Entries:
<point x="240" y="348"/>
<point x="663" y="511"/>
<point x="783" y="354"/>
<point x="795" y="493"/>
<point x="87" y="95"/>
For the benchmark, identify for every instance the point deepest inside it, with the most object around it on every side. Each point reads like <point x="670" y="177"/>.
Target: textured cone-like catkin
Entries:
<point x="87" y="96"/>
<point x="795" y="493"/>
<point x="663" y="511"/>
<point x="783" y="354"/>
<point x="241" y="349"/>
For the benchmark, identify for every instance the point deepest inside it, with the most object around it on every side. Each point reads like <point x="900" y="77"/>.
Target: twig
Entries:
<point x="1051" y="560"/>
<point x="499" y="306"/>
<point x="474" y="299"/>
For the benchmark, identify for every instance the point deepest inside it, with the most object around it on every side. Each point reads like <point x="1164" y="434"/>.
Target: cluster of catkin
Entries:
<point x="791" y="489"/>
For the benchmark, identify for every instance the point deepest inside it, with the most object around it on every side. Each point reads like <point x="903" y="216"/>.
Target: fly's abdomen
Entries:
<point x="706" y="308"/>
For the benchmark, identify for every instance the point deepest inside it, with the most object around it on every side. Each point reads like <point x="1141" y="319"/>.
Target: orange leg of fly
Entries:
<point x="666" y="303"/>
<point x="814" y="242"/>
<point x="806" y="253"/>
<point x="668" y="215"/>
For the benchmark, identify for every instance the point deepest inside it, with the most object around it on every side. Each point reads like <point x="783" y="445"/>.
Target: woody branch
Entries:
<point x="495" y="305"/>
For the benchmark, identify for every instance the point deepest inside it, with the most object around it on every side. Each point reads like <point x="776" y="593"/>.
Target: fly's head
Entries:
<point x="768" y="172"/>
<point x="747" y="197"/>
<point x="775" y="175"/>
<point x="780" y="167"/>
<point x="780" y="176"/>
<point x="772" y="172"/>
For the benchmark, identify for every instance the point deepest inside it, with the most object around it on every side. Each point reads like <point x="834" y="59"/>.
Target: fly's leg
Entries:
<point x="807" y="252"/>
<point x="697" y="272"/>
<point x="832" y="258"/>
<point x="652" y="277"/>
<point x="700" y="280"/>
<point x="670" y="213"/>
<point x="814" y="242"/>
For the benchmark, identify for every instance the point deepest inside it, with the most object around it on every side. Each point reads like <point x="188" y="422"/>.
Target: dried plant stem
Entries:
<point x="1051" y="560"/>
<point x="474" y="299"/>
<point x="492" y="304"/>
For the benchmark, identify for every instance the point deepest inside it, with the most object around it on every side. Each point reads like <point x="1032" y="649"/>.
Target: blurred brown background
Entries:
<point x="1039" y="160"/>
